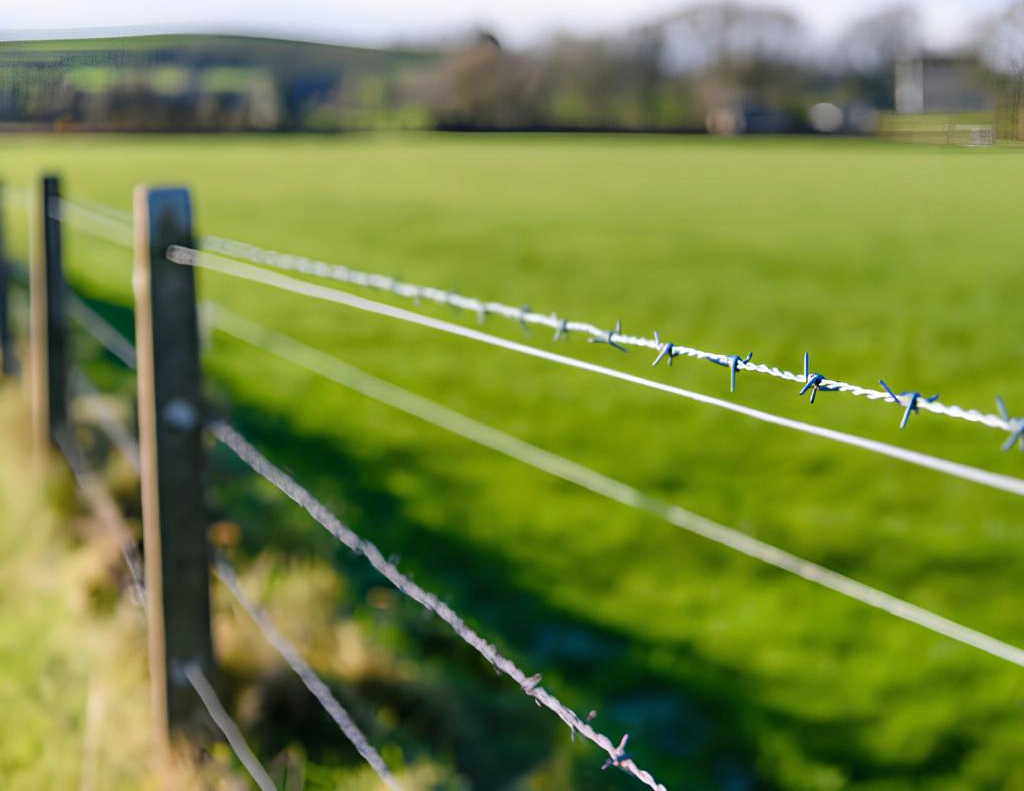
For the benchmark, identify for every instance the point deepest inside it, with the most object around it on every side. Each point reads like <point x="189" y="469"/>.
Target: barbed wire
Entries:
<point x="530" y="685"/>
<point x="226" y="573"/>
<point x="349" y="376"/>
<point x="615" y="337"/>
<point x="227" y="726"/>
<point x="108" y="336"/>
<point x="218" y="263"/>
<point x="103" y="216"/>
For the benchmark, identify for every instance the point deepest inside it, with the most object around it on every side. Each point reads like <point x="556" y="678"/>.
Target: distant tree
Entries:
<point x="878" y="40"/>
<point x="868" y="51"/>
<point x="999" y="43"/>
<point x="483" y="86"/>
<point x="735" y="52"/>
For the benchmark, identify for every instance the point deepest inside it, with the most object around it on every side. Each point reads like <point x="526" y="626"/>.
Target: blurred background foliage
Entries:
<point x="719" y="67"/>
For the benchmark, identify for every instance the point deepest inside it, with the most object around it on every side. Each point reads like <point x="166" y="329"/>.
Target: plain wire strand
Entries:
<point x="530" y="685"/>
<point x="228" y="727"/>
<point x="359" y="381"/>
<point x="102" y="504"/>
<point x="563" y="327"/>
<point x="101" y="330"/>
<point x="281" y="282"/>
<point x="108" y="421"/>
<point x="227" y="575"/>
<point x="93" y="221"/>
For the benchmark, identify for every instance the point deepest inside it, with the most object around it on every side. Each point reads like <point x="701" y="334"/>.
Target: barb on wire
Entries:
<point x="482" y="434"/>
<point x="733" y="363"/>
<point x="226" y="574"/>
<point x="610" y="337"/>
<point x="1016" y="425"/>
<point x="526" y="317"/>
<point x="227" y="726"/>
<point x="260" y="464"/>
<point x="664" y="351"/>
<point x="213" y="262"/>
<point x="108" y="336"/>
<point x="913" y="401"/>
<point x="813" y="382"/>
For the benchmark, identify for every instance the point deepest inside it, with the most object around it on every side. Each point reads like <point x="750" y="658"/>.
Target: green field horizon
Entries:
<point x="882" y="260"/>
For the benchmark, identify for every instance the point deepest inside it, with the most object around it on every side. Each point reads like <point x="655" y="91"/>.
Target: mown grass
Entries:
<point x="884" y="260"/>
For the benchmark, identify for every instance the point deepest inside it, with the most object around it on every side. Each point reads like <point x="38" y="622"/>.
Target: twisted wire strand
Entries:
<point x="217" y="263"/>
<point x="563" y="327"/>
<point x="227" y="574"/>
<point x="530" y="685"/>
<point x="227" y="726"/>
<point x="359" y="381"/>
<point x="108" y="336"/>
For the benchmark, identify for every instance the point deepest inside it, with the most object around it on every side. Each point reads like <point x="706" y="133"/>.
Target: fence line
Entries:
<point x="217" y="263"/>
<point x="226" y="573"/>
<point x="227" y="726"/>
<point x="228" y="576"/>
<point x="530" y="685"/>
<point x="110" y="224"/>
<point x="294" y="352"/>
<point x="562" y="328"/>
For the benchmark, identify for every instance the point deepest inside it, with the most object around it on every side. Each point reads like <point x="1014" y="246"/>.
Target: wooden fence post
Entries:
<point x="48" y="320"/>
<point x="7" y="364"/>
<point x="174" y="512"/>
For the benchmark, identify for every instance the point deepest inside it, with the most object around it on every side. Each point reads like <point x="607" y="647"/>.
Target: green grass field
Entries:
<point x="883" y="260"/>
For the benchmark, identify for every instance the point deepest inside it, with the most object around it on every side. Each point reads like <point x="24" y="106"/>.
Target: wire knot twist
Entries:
<point x="1016" y="425"/>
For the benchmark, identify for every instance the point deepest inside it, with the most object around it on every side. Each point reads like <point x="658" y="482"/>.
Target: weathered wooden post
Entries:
<point x="170" y="427"/>
<point x="48" y="320"/>
<point x="7" y="364"/>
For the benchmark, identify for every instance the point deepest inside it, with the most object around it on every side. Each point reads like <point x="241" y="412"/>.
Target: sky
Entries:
<point x="380" y="22"/>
